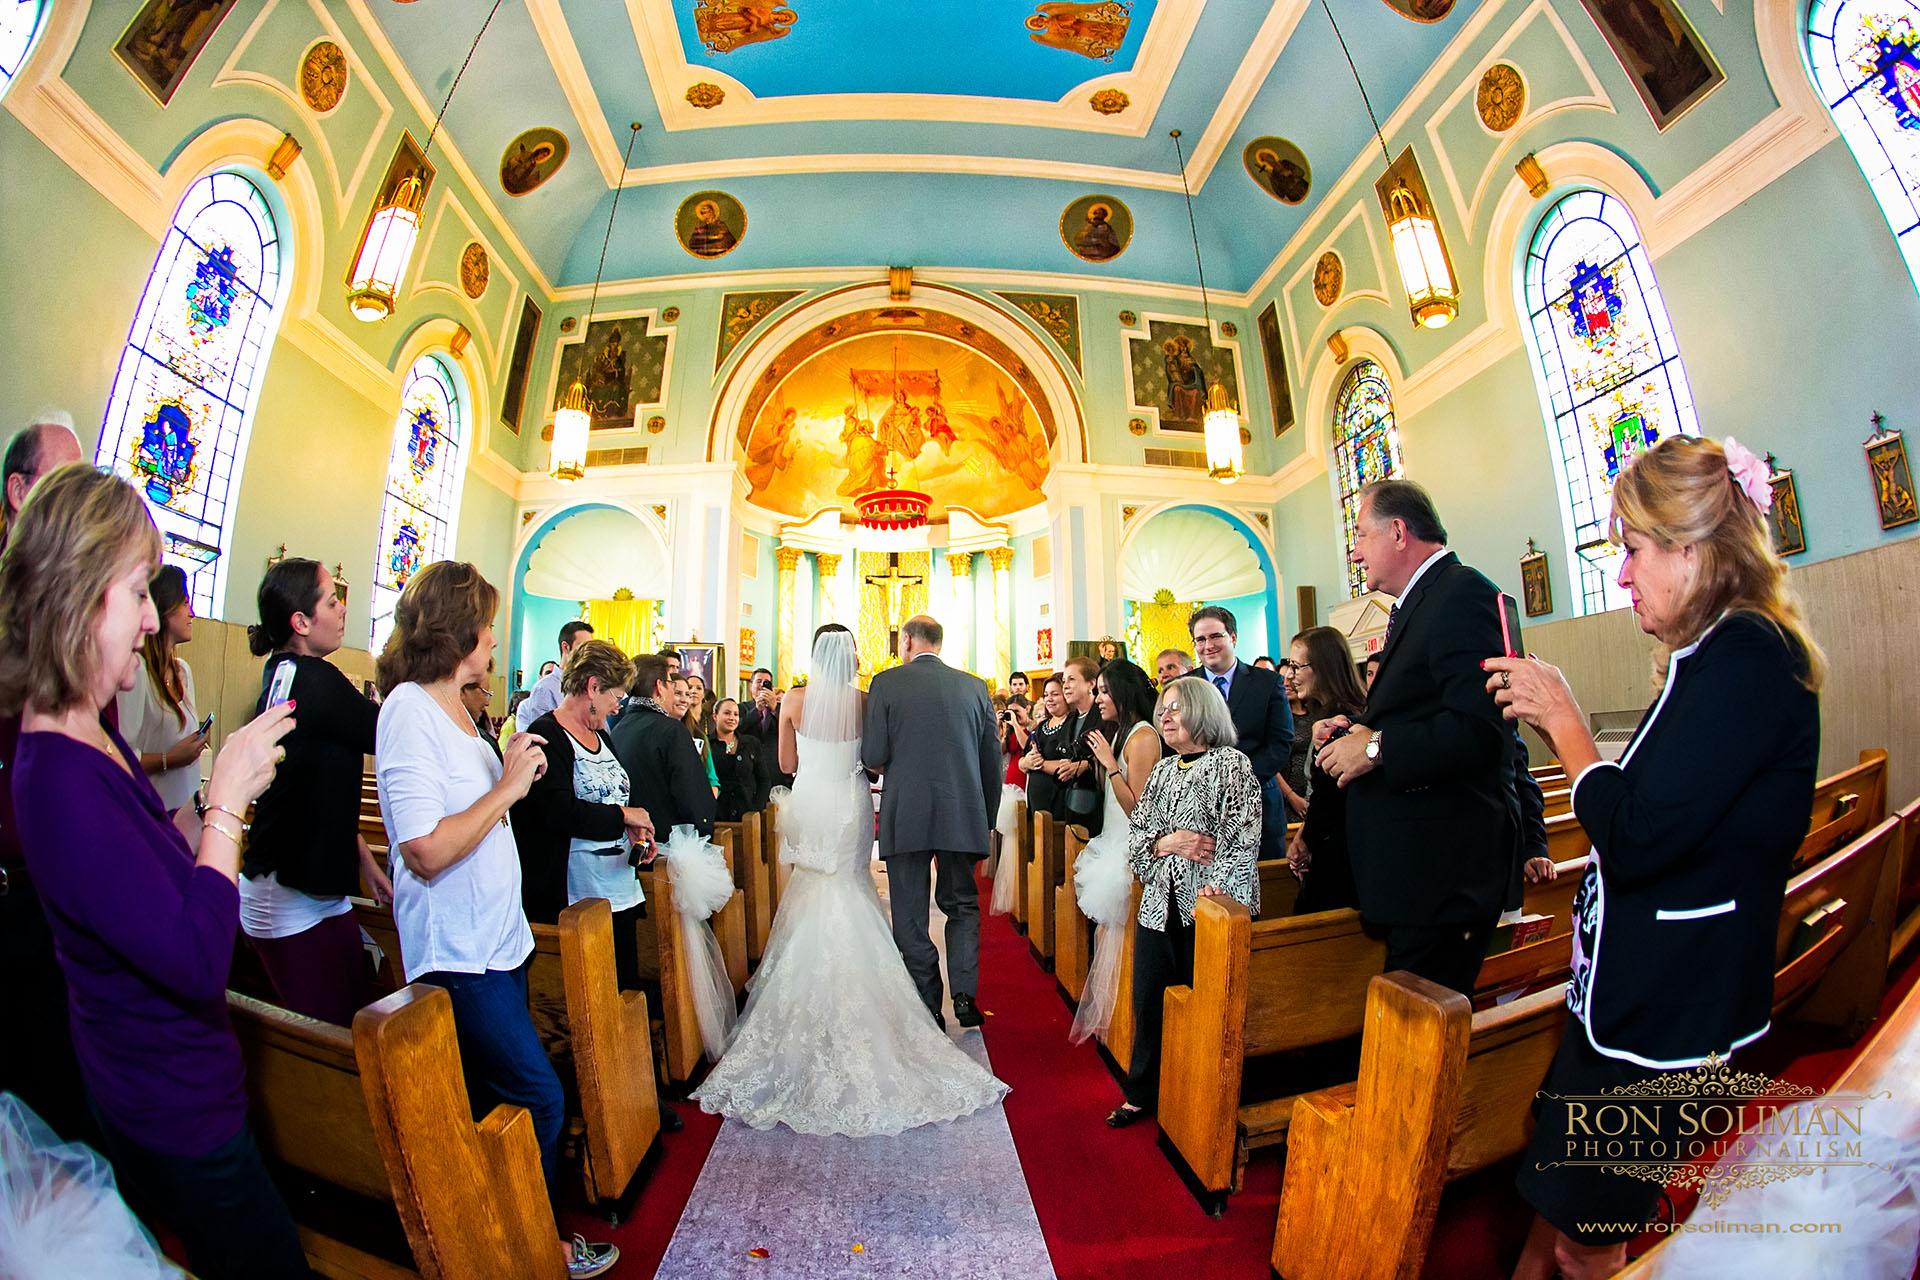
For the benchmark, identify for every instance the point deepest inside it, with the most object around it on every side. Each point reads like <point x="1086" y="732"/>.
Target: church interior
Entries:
<point x="711" y="321"/>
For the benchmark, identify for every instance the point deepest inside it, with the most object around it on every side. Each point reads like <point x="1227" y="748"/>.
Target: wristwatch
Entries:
<point x="1373" y="745"/>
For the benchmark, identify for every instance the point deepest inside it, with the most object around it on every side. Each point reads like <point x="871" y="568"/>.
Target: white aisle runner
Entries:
<point x="946" y="1201"/>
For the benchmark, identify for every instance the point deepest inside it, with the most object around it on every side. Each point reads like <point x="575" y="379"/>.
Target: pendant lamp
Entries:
<point x="1226" y="462"/>
<point x="572" y="423"/>
<point x="1426" y="273"/>
<point x="374" y="283"/>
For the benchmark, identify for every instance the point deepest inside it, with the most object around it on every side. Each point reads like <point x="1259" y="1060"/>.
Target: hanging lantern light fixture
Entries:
<point x="1426" y="272"/>
<point x="572" y="424"/>
<point x="1226" y="460"/>
<point x="373" y="285"/>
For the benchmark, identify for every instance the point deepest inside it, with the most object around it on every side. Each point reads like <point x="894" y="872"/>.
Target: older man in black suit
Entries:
<point x="1260" y="715"/>
<point x="1431" y="812"/>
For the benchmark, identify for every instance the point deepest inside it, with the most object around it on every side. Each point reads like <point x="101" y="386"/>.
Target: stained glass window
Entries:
<point x="1366" y="447"/>
<point x="183" y="397"/>
<point x="423" y="486"/>
<point x="1611" y="382"/>
<point x="19" y="23"/>
<point x="1865" y="56"/>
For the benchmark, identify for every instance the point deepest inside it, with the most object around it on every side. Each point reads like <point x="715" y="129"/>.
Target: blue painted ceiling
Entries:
<point x="897" y="140"/>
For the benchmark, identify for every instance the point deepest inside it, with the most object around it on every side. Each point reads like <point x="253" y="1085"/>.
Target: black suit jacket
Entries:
<point x="1431" y="828"/>
<point x="1260" y="716"/>
<point x="664" y="769"/>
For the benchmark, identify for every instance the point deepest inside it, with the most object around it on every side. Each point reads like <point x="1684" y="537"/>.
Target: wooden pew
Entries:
<point x="381" y="1112"/>
<point x="1117" y="1043"/>
<point x="730" y="921"/>
<point x="1836" y="928"/>
<point x="1442" y="1092"/>
<point x="1045" y="868"/>
<point x="1072" y="931"/>
<point x="1023" y="819"/>
<point x="1845" y="805"/>
<point x="1267" y="987"/>
<point x="1908" y="906"/>
<point x="753" y="874"/>
<point x="680" y="1027"/>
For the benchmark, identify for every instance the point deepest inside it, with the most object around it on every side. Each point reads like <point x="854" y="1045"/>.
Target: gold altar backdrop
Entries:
<point x="1159" y="624"/>
<point x="893" y="587"/>
<point x="626" y="623"/>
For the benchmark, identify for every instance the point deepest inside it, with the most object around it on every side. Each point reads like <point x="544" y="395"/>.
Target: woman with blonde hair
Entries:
<point x="444" y="796"/>
<point x="1693" y="830"/>
<point x="144" y="908"/>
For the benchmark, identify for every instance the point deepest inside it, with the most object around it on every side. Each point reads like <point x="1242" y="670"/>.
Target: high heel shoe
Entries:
<point x="1123" y="1115"/>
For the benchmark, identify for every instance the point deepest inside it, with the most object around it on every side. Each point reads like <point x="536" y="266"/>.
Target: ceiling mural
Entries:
<point x="531" y="159"/>
<point x="902" y="408"/>
<point x="984" y="48"/>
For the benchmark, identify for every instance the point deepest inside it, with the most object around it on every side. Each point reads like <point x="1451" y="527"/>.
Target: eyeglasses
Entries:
<point x="1206" y="639"/>
<point x="1290" y="665"/>
<point x="1169" y="709"/>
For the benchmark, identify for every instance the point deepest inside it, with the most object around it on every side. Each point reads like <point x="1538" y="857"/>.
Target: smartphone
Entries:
<point x="282" y="687"/>
<point x="1510" y="626"/>
<point x="205" y="725"/>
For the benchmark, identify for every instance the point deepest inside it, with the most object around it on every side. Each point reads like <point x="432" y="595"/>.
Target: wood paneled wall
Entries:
<point x="1862" y="610"/>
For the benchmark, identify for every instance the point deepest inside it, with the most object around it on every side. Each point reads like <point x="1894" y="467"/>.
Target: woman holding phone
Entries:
<point x="306" y="854"/>
<point x="157" y="715"/>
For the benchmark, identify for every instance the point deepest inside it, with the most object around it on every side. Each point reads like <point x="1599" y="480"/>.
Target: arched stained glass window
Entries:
<point x="1608" y="368"/>
<point x="19" y="23"/>
<point x="423" y="486"/>
<point x="1366" y="447"/>
<point x="183" y="398"/>
<point x="1865" y="56"/>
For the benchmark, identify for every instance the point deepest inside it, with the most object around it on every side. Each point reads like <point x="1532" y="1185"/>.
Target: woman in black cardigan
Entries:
<point x="1693" y="831"/>
<point x="573" y="826"/>
<point x="736" y="764"/>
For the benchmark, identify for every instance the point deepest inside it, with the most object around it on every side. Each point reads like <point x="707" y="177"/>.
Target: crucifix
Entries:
<point x="895" y="583"/>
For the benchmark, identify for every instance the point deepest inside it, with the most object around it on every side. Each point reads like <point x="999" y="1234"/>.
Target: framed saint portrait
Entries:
<point x="1660" y="52"/>
<point x="1892" y="479"/>
<point x="162" y="42"/>
<point x="1278" y="168"/>
<point x="1536" y="588"/>
<point x="1783" y="517"/>
<point x="531" y="159"/>
<point x="698" y="658"/>
<point x="1096" y="228"/>
<point x="710" y="224"/>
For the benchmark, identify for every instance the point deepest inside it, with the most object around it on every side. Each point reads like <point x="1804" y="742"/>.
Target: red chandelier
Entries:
<point x="893" y="509"/>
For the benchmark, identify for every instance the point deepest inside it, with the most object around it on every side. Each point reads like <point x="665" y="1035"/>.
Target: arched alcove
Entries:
<point x="1185" y="555"/>
<point x="595" y="553"/>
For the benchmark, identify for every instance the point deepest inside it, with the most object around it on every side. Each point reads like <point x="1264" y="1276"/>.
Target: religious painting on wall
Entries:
<point x="161" y="44"/>
<point x="908" y="410"/>
<point x="1093" y="29"/>
<point x="1096" y="228"/>
<point x="1057" y="314"/>
<point x="1783" y="517"/>
<point x="1279" y="388"/>
<point x="1536" y="587"/>
<point x="726" y="25"/>
<point x="531" y="159"/>
<point x="1172" y="368"/>
<point x="622" y="367"/>
<point x="1104" y="650"/>
<point x="1421" y="10"/>
<point x="740" y="313"/>
<point x="513" y="398"/>
<point x="1043" y="645"/>
<point x="710" y="224"/>
<point x="1669" y="66"/>
<point x="1278" y="168"/>
<point x="893" y="587"/>
<point x="1892" y="478"/>
<point x="698" y="658"/>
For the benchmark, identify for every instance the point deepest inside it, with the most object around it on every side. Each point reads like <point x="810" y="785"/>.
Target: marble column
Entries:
<point x="828" y="607"/>
<point x="959" y="633"/>
<point x="789" y="561"/>
<point x="1001" y="558"/>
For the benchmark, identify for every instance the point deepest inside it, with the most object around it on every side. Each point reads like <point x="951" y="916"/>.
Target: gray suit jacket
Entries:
<point x="932" y="729"/>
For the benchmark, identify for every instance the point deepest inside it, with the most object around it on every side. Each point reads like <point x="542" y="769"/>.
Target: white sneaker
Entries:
<point x="591" y="1259"/>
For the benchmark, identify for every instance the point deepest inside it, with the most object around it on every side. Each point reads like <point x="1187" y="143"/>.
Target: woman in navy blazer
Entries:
<point x="1693" y="831"/>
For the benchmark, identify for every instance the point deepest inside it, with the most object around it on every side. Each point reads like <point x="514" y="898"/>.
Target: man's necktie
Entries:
<point x="1220" y="683"/>
<point x="1392" y="614"/>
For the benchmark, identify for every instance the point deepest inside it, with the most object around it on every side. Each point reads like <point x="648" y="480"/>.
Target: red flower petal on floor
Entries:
<point x="758" y="1253"/>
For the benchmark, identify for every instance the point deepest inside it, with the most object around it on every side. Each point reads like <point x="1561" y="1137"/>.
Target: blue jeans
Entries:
<point x="502" y="1056"/>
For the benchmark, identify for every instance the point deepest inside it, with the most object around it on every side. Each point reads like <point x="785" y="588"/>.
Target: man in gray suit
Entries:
<point x="931" y="730"/>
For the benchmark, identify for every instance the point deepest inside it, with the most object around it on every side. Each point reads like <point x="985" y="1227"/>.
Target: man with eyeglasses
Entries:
<point x="1261" y="716"/>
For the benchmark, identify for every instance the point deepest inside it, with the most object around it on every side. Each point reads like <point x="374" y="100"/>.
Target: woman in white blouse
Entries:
<point x="444" y="796"/>
<point x="157" y="716"/>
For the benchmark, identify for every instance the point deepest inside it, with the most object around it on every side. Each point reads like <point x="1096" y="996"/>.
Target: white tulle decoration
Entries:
<point x="1103" y="886"/>
<point x="701" y="886"/>
<point x="1194" y="555"/>
<point x="1870" y="1211"/>
<point x="592" y="555"/>
<point x="60" y="1211"/>
<point x="1006" y="872"/>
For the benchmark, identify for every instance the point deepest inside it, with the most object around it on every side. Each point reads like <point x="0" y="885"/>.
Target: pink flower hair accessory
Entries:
<point x="1750" y="472"/>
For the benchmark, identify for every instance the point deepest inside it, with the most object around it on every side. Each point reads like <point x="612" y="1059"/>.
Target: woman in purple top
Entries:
<point x="143" y="911"/>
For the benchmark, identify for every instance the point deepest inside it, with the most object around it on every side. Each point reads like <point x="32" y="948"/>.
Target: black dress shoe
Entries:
<point x="1123" y="1115"/>
<point x="670" y="1121"/>
<point x="940" y="1021"/>
<point x="966" y="1013"/>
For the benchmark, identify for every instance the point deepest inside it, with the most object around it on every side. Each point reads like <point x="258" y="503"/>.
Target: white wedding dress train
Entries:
<point x="835" y="1039"/>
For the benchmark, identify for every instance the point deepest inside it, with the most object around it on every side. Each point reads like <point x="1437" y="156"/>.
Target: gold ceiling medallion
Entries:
<point x="1092" y="30"/>
<point x="474" y="269"/>
<point x="705" y="95"/>
<point x="1421" y="10"/>
<point x="726" y="25"/>
<point x="656" y="424"/>
<point x="1109" y="102"/>
<point x="1501" y="98"/>
<point x="1329" y="278"/>
<point x="569" y="324"/>
<point x="1129" y="319"/>
<point x="670" y="315"/>
<point x="1228" y="329"/>
<point x="1137" y="425"/>
<point x="323" y="76"/>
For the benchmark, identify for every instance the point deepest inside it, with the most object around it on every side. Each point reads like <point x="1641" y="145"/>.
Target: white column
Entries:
<point x="960" y="630"/>
<point x="1001" y="558"/>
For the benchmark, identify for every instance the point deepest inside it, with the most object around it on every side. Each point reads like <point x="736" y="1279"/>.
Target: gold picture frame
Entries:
<point x="1536" y="584"/>
<point x="1892" y="476"/>
<point x="1783" y="517"/>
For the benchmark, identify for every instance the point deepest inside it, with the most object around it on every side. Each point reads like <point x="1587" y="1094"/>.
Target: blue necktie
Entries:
<point x="1220" y="683"/>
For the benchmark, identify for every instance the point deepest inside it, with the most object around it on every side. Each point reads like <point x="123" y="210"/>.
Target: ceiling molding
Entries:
<point x="790" y="277"/>
<point x="1267" y="46"/>
<point x="556" y="37"/>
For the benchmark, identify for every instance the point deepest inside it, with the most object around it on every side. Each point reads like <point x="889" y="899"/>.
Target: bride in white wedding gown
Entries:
<point x="835" y="1038"/>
